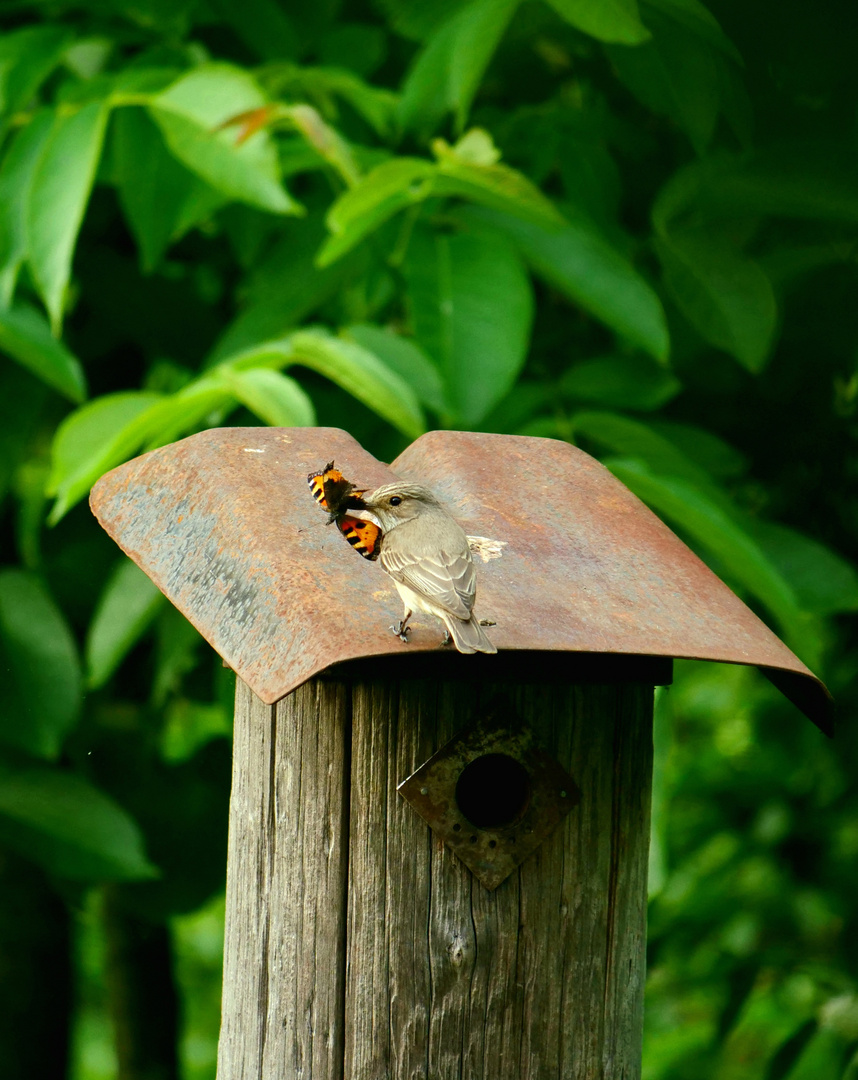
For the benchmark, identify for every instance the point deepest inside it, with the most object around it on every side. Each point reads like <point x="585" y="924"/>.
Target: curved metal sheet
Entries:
<point x="224" y="524"/>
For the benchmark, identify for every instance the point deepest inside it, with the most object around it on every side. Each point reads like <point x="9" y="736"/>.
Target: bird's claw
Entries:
<point x="401" y="631"/>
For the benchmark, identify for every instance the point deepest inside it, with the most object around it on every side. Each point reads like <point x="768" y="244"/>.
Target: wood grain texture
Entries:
<point x="282" y="1013"/>
<point x="359" y="948"/>
<point x="541" y="979"/>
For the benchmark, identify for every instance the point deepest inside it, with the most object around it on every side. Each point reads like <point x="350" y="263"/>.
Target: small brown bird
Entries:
<point x="427" y="554"/>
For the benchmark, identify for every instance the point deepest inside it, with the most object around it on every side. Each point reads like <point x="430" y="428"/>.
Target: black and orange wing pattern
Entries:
<point x="364" y="536"/>
<point x="337" y="495"/>
<point x="331" y="490"/>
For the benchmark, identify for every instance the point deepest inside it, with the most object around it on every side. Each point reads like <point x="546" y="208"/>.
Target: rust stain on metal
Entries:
<point x="224" y="524"/>
<point x="528" y="813"/>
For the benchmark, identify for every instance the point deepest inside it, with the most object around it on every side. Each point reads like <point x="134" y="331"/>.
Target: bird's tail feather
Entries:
<point x="468" y="637"/>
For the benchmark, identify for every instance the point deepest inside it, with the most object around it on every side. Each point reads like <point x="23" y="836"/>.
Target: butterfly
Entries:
<point x="337" y="495"/>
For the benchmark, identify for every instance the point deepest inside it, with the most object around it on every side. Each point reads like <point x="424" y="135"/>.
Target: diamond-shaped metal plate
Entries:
<point x="514" y="794"/>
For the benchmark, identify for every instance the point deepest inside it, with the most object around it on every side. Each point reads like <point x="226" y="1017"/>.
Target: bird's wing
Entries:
<point x="448" y="580"/>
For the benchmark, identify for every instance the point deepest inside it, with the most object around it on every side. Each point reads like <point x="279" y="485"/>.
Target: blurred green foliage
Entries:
<point x="630" y="225"/>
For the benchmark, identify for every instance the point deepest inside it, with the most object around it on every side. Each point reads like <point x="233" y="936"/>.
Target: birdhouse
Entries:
<point x="437" y="862"/>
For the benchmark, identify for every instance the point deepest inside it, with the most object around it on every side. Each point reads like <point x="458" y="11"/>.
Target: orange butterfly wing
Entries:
<point x="364" y="536"/>
<point x="337" y="495"/>
<point x="330" y="489"/>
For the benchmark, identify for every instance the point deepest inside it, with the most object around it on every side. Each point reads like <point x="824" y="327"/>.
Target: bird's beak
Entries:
<point x="364" y="515"/>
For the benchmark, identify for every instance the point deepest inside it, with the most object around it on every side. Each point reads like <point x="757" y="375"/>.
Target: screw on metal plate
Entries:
<point x="492" y="795"/>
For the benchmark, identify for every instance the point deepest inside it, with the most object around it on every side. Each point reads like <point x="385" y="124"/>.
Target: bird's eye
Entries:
<point x="396" y="500"/>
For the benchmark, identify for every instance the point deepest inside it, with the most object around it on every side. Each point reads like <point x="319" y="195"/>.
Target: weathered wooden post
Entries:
<point x="437" y="863"/>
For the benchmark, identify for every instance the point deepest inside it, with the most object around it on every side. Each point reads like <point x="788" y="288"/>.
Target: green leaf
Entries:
<point x="27" y="338"/>
<point x="283" y="288"/>
<point x="620" y="382"/>
<point x="272" y="396"/>
<point x="177" y="644"/>
<point x="782" y="1061"/>
<point x="69" y="827"/>
<point x="527" y="400"/>
<point x="87" y="57"/>
<point x="362" y="374"/>
<point x="634" y="438"/>
<point x="16" y="179"/>
<point x="387" y="189"/>
<point x="356" y="370"/>
<point x="475" y="147"/>
<point x="325" y="140"/>
<point x="677" y="74"/>
<point x="323" y="84"/>
<point x="447" y="74"/>
<point x="140" y="83"/>
<point x="190" y="114"/>
<point x="710" y="452"/>
<point x="402" y="182"/>
<point x="127" y="605"/>
<point x="92" y="440"/>
<point x="580" y="262"/>
<point x="109" y="430"/>
<point x="417" y="20"/>
<point x="355" y="47"/>
<point x="40" y="690"/>
<point x="472" y="307"/>
<point x="27" y="57"/>
<point x="61" y="187"/>
<point x="804" y="180"/>
<point x="29" y="487"/>
<point x="825" y="583"/>
<point x="543" y="427"/>
<point x="160" y="198"/>
<point x="785" y="263"/>
<point x="191" y="725"/>
<point x="591" y="178"/>
<point x="183" y="811"/>
<point x="22" y="417"/>
<point x="491" y="183"/>
<point x="180" y="413"/>
<point x="741" y="981"/>
<point x="376" y="105"/>
<point x="616" y="21"/>
<point x="698" y="19"/>
<point x="717" y="533"/>
<point x="406" y="359"/>
<point x="263" y="25"/>
<point x="299" y="156"/>
<point x="724" y="295"/>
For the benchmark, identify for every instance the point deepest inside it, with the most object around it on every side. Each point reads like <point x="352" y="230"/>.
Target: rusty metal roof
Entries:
<point x="224" y="524"/>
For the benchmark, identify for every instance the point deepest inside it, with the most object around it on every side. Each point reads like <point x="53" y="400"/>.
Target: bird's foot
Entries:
<point x="401" y="630"/>
<point x="447" y="639"/>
